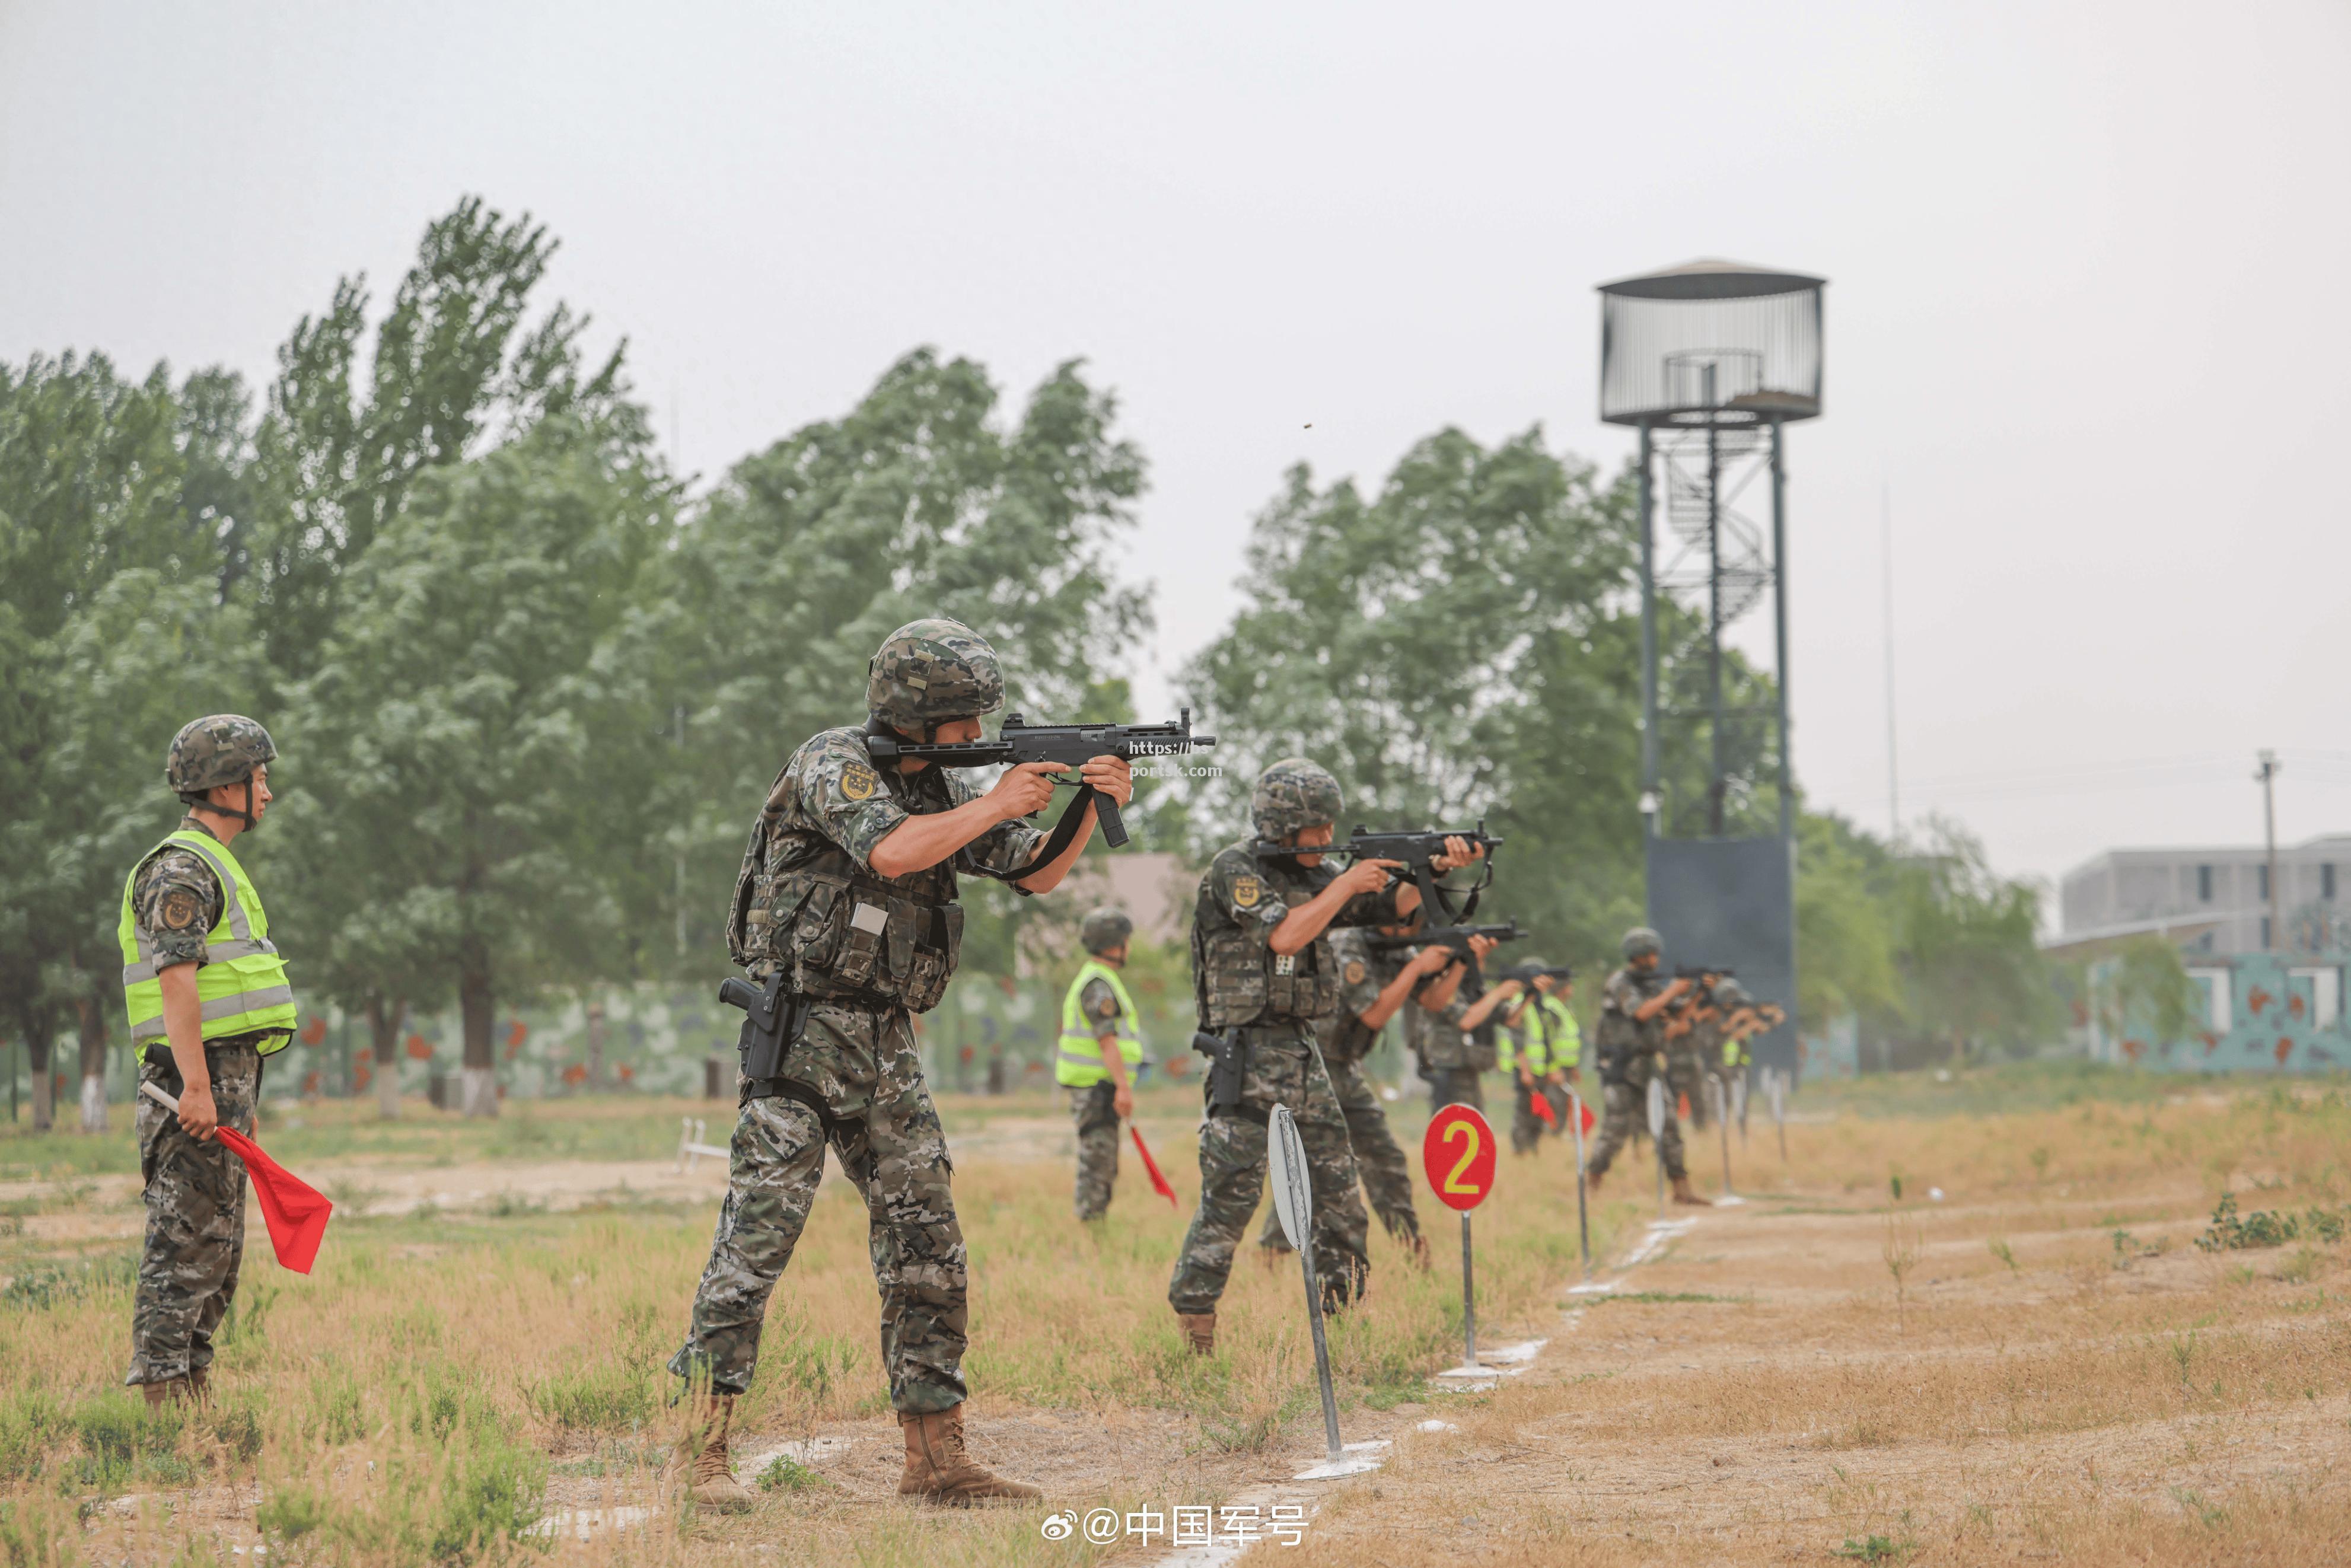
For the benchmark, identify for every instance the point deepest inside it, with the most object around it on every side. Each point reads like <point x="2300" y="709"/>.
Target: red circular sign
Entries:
<point x="1457" y="1155"/>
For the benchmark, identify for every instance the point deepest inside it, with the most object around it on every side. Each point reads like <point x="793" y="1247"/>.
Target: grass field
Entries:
<point x="2041" y="1362"/>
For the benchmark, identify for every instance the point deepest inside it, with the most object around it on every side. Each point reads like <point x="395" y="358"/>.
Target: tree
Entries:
<point x="110" y="507"/>
<point x="463" y="710"/>
<point x="1845" y="939"/>
<point x="754" y="633"/>
<point x="1463" y="645"/>
<point x="1965" y="937"/>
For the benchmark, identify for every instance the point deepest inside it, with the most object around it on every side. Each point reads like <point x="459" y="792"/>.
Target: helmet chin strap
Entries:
<point x="245" y="815"/>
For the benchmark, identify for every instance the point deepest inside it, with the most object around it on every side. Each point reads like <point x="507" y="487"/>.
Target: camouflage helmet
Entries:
<point x="1291" y="794"/>
<point x="1640" y="941"/>
<point x="933" y="670"/>
<point x="221" y="748"/>
<point x="1104" y="929"/>
<point x="1729" y="993"/>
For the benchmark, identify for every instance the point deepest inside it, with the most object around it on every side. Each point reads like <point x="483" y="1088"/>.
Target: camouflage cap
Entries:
<point x="1104" y="929"/>
<point x="931" y="670"/>
<point x="1640" y="941"/>
<point x="221" y="748"/>
<point x="1731" y="994"/>
<point x="1291" y="794"/>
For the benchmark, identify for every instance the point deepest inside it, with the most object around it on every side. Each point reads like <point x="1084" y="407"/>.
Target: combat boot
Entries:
<point x="1682" y="1194"/>
<point x="1416" y="1249"/>
<point x="1200" y="1330"/>
<point x="939" y="1467"/>
<point x="1592" y="1178"/>
<point x="712" y="1483"/>
<point x="200" y="1386"/>
<point x="170" y="1391"/>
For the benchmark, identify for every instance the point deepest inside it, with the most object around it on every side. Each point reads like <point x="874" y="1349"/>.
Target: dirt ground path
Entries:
<point x="1752" y="1393"/>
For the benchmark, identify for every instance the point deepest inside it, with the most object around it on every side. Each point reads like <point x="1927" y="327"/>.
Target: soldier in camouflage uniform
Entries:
<point x="1100" y="1044"/>
<point x="1693" y="1046"/>
<point x="1374" y="985"/>
<point x="207" y="998"/>
<point x="1631" y="1045"/>
<point x="1263" y="973"/>
<point x="848" y="894"/>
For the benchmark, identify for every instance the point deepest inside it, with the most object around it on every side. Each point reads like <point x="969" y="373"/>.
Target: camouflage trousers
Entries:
<point x="1527" y="1125"/>
<point x="1388" y="1180"/>
<point x="196" y="1221"/>
<point x="1094" y="1112"/>
<point x="1627" y="1111"/>
<point x="1686" y="1079"/>
<point x="1283" y="1070"/>
<point x="1455" y="1086"/>
<point x="861" y="1066"/>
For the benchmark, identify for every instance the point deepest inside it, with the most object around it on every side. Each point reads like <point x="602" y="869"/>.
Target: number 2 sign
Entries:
<point x="1457" y="1153"/>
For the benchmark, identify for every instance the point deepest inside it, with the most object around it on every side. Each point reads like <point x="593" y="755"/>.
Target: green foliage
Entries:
<point x="2229" y="1232"/>
<point x="1474" y="654"/>
<point x="785" y="1473"/>
<point x="2145" y="987"/>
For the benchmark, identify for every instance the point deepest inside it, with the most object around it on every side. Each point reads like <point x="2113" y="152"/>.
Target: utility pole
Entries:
<point x="1886" y="555"/>
<point x="2266" y="779"/>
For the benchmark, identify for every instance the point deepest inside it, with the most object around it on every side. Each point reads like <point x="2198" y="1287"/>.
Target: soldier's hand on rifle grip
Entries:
<point x="1113" y="777"/>
<point x="1458" y="852"/>
<point x="1366" y="876"/>
<point x="1025" y="790"/>
<point x="1481" y="946"/>
<point x="1430" y="960"/>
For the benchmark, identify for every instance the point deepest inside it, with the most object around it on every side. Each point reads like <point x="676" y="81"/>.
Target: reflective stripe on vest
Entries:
<point x="1078" y="1060"/>
<point x="241" y="984"/>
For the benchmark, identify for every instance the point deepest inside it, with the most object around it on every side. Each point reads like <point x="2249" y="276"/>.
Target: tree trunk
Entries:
<point x="38" y="1048"/>
<point x="480" y="1074"/>
<point x="596" y="1044"/>
<point x="384" y="1018"/>
<point x="92" y="1017"/>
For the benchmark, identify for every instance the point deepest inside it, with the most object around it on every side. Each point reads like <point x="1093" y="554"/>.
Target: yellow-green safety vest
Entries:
<point x="1077" y="1063"/>
<point x="241" y="984"/>
<point x="1552" y="1039"/>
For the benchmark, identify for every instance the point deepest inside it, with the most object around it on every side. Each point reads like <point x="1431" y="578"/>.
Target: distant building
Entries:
<point x="2210" y="899"/>
<point x="2268" y="1005"/>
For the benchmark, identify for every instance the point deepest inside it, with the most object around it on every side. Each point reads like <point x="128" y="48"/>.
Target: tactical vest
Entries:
<point x="241" y="986"/>
<point x="839" y="931"/>
<point x="1565" y="1036"/>
<point x="1241" y="981"/>
<point x="1077" y="1061"/>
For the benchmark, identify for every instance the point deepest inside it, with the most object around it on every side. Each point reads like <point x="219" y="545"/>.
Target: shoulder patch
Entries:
<point x="1247" y="890"/>
<point x="178" y="910"/>
<point x="1355" y="971"/>
<point x="1109" y="1007"/>
<point x="858" y="781"/>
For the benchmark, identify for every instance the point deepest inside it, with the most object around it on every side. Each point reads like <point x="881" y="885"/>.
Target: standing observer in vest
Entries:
<point x="1100" y="1046"/>
<point x="207" y="998"/>
<point x="1541" y="1047"/>
<point x="845" y="908"/>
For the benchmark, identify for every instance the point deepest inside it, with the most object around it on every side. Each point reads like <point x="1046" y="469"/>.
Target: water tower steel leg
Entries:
<point x="1714" y="784"/>
<point x="1779" y="616"/>
<point x="1648" y="648"/>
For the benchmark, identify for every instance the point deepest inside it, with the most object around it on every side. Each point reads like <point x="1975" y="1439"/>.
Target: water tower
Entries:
<point x="1711" y="361"/>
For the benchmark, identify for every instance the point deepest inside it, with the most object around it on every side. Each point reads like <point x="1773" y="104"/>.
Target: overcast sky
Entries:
<point x="2086" y="324"/>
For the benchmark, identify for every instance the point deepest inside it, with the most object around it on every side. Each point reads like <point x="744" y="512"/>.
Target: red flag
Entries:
<point x="295" y="1211"/>
<point x="1541" y="1102"/>
<point x="1589" y="1120"/>
<point x="1158" y="1183"/>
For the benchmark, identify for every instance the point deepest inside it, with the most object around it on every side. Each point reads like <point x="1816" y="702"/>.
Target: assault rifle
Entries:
<point x="1418" y="852"/>
<point x="1070" y="745"/>
<point x="1456" y="938"/>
